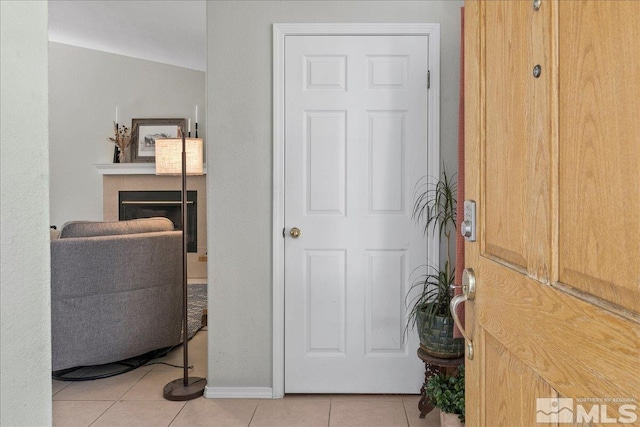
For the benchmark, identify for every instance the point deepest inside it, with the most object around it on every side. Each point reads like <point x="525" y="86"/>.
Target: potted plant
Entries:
<point x="446" y="392"/>
<point x="429" y="307"/>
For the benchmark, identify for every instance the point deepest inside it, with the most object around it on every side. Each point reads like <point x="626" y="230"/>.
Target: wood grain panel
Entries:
<point x="519" y="112"/>
<point x="535" y="150"/>
<point x="507" y="129"/>
<point x="599" y="231"/>
<point x="567" y="341"/>
<point x="474" y="122"/>
<point x="515" y="404"/>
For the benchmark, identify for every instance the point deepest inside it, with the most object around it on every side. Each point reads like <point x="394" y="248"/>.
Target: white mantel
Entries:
<point x="129" y="168"/>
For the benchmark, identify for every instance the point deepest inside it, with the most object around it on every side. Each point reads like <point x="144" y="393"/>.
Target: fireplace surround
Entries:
<point x="142" y="177"/>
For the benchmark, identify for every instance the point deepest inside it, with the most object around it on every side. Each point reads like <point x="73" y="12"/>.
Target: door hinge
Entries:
<point x="428" y="79"/>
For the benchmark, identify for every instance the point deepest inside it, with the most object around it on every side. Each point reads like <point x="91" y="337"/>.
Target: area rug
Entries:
<point x="196" y="304"/>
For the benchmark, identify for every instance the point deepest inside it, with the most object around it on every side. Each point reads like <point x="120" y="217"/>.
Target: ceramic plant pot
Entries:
<point x="450" y="420"/>
<point x="437" y="340"/>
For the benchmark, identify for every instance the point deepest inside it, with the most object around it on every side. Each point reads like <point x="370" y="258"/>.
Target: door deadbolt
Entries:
<point x="468" y="226"/>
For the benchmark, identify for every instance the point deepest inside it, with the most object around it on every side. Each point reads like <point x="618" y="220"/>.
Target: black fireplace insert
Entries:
<point x="147" y="204"/>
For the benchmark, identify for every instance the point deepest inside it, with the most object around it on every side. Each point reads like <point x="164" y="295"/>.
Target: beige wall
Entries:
<point x="84" y="88"/>
<point x="25" y="319"/>
<point x="239" y="183"/>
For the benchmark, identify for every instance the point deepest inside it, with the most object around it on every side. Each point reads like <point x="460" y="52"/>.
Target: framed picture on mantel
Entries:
<point x="144" y="133"/>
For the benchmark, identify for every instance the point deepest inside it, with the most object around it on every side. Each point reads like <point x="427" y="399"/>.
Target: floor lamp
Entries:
<point x="182" y="157"/>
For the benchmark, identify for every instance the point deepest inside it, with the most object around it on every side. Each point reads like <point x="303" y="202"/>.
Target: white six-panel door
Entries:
<point x="355" y="144"/>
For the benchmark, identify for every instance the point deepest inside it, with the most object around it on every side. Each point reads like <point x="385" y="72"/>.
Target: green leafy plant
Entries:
<point x="433" y="297"/>
<point x="436" y="205"/>
<point x="447" y="392"/>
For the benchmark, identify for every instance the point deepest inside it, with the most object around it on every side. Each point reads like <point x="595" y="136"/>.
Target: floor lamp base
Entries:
<point x="176" y="390"/>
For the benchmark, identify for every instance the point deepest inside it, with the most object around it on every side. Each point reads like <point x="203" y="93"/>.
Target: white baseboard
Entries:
<point x="238" y="392"/>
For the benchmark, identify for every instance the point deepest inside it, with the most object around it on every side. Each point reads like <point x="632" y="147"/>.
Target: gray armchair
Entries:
<point x="115" y="290"/>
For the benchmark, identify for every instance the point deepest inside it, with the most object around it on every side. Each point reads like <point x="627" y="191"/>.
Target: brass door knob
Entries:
<point x="295" y="232"/>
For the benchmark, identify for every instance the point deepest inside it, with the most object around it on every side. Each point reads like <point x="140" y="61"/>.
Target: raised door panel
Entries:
<point x="325" y="161"/>
<point x="507" y="124"/>
<point x="386" y="168"/>
<point x="325" y="302"/>
<point x="600" y="149"/>
<point x="513" y="405"/>
<point x="325" y="73"/>
<point x="518" y="146"/>
<point x="385" y="291"/>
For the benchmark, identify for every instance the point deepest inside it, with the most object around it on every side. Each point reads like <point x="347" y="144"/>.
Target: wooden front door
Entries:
<point x="553" y="162"/>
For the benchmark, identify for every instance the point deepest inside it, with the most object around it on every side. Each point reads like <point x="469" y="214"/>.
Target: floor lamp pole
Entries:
<point x="185" y="307"/>
<point x="185" y="388"/>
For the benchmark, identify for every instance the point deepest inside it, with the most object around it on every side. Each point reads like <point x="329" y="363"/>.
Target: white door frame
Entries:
<point x="280" y="32"/>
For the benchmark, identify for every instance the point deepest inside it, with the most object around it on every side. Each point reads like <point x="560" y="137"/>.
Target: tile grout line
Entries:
<point x="65" y="386"/>
<point x="254" y="413"/>
<point x="176" y="416"/>
<point x="406" y="415"/>
<point x="119" y="399"/>
<point x="66" y="383"/>
<point x="103" y="412"/>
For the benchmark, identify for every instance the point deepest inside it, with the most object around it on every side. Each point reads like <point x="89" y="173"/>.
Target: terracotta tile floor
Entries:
<point x="135" y="399"/>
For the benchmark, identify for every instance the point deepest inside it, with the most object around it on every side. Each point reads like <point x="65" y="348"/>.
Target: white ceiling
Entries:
<point x="170" y="32"/>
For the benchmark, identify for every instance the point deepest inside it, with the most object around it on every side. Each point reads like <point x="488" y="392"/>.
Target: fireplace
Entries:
<point x="146" y="204"/>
